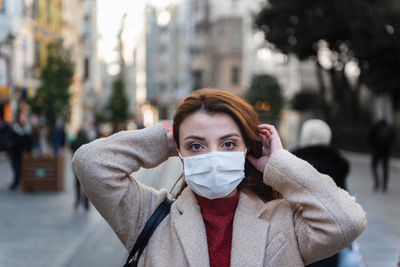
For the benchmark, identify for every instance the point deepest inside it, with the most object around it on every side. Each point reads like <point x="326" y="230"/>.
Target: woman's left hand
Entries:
<point x="271" y="142"/>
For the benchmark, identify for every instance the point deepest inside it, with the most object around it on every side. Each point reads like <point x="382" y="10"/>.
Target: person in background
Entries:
<point x="381" y="139"/>
<point x="18" y="142"/>
<point x="244" y="201"/>
<point x="315" y="148"/>
<point x="58" y="136"/>
<point x="81" y="139"/>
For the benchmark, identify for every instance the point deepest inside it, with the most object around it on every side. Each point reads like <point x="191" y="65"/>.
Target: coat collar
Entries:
<point x="249" y="237"/>
<point x="191" y="229"/>
<point x="247" y="225"/>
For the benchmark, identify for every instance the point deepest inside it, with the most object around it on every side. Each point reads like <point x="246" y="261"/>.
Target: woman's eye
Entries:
<point x="195" y="146"/>
<point x="229" y="144"/>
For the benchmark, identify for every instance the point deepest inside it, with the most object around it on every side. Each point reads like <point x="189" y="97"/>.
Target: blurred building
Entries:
<point x="159" y="73"/>
<point x="11" y="46"/>
<point x="186" y="45"/>
<point x="223" y="50"/>
<point x="79" y="33"/>
<point x="168" y="37"/>
<point x="27" y="27"/>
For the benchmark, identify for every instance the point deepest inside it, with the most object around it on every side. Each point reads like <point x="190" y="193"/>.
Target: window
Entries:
<point x="37" y="54"/>
<point x="235" y="75"/>
<point x="35" y="9"/>
<point x="25" y="56"/>
<point x="86" y="66"/>
<point x="2" y="6"/>
<point x="48" y="12"/>
<point x="197" y="77"/>
<point x="234" y="4"/>
<point x="86" y="27"/>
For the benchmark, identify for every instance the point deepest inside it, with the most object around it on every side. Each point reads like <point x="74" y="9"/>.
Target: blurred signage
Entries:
<point x="2" y="6"/>
<point x="4" y="94"/>
<point x="7" y="113"/>
<point x="40" y="173"/>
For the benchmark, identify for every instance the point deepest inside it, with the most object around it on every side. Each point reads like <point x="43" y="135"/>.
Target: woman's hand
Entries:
<point x="172" y="148"/>
<point x="270" y="141"/>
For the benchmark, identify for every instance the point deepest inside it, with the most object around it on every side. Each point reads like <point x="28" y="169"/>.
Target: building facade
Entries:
<point x="27" y="27"/>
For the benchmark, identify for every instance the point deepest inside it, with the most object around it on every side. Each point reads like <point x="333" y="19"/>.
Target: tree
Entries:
<point x="118" y="103"/>
<point x="52" y="98"/>
<point x="355" y="31"/>
<point x="306" y="100"/>
<point x="265" y="95"/>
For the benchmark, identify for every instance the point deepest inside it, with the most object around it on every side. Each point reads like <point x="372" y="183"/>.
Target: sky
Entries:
<point x="109" y="17"/>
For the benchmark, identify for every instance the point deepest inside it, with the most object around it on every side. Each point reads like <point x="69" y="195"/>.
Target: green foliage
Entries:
<point x="52" y="98"/>
<point x="265" y="95"/>
<point x="118" y="103"/>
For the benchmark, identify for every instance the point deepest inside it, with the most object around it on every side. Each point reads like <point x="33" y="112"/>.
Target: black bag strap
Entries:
<point x="158" y="215"/>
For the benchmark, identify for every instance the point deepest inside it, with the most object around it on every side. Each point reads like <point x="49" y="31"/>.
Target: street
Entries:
<point x="380" y="242"/>
<point x="44" y="229"/>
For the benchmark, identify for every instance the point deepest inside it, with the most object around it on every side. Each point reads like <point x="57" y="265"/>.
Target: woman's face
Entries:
<point x="202" y="132"/>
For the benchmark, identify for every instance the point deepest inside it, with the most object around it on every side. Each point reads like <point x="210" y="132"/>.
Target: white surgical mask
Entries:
<point x="215" y="174"/>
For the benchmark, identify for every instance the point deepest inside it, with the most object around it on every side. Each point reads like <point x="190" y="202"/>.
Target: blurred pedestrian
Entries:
<point x="36" y="134"/>
<point x="315" y="148"/>
<point x="58" y="136"/>
<point x="81" y="139"/>
<point x="227" y="212"/>
<point x="18" y="141"/>
<point x="381" y="139"/>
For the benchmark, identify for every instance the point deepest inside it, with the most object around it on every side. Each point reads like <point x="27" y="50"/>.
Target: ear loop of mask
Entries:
<point x="179" y="154"/>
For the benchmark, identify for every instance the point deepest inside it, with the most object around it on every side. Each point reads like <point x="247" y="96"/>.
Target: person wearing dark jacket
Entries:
<point x="381" y="139"/>
<point x="17" y="143"/>
<point x="80" y="140"/>
<point x="315" y="148"/>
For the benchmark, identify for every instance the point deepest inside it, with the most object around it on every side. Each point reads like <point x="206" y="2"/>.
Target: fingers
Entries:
<point x="271" y="136"/>
<point x="267" y="128"/>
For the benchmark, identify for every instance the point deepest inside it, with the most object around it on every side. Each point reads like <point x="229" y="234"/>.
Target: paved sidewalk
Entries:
<point x="380" y="242"/>
<point x="43" y="229"/>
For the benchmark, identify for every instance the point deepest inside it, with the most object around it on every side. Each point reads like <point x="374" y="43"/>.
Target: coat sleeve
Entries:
<point x="326" y="218"/>
<point x="104" y="168"/>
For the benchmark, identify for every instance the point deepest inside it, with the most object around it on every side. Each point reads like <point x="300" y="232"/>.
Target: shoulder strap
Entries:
<point x="158" y="215"/>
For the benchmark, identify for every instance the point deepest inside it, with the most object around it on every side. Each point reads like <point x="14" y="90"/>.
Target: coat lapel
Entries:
<point x="191" y="230"/>
<point x="249" y="235"/>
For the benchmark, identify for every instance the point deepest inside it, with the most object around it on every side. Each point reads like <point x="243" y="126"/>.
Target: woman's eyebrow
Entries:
<point x="229" y="136"/>
<point x="195" y="137"/>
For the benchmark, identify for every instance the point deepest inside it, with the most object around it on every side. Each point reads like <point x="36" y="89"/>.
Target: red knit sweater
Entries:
<point x="218" y="218"/>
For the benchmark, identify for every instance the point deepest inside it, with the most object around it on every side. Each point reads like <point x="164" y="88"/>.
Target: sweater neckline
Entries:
<point x="219" y="206"/>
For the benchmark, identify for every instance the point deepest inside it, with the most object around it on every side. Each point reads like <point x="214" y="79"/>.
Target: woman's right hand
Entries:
<point x="172" y="147"/>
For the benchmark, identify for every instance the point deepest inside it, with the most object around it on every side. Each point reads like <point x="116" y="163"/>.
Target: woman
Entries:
<point x="228" y="212"/>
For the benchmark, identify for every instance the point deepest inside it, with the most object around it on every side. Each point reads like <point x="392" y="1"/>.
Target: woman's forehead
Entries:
<point x="202" y="123"/>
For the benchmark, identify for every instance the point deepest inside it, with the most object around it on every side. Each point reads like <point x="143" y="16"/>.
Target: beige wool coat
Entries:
<point x="315" y="218"/>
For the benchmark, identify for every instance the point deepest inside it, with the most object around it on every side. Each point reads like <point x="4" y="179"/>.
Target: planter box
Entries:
<point x="42" y="173"/>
